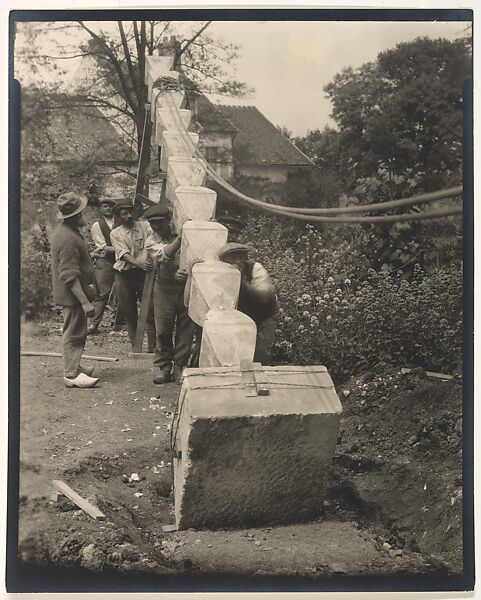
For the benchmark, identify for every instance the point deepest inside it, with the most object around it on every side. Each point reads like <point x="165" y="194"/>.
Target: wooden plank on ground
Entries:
<point x="141" y="354"/>
<point x="407" y="371"/>
<point x="66" y="490"/>
<point x="57" y="354"/>
<point x="144" y="311"/>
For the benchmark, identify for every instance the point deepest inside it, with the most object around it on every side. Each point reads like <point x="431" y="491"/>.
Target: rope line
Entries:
<point x="271" y="370"/>
<point x="303" y="214"/>
<point x="380" y="206"/>
<point x="434" y="214"/>
<point x="278" y="385"/>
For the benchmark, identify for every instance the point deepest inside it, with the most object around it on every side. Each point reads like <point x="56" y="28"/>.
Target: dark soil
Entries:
<point x="400" y="457"/>
<point x="393" y="502"/>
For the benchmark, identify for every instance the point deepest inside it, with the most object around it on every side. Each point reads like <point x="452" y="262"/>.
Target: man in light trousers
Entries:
<point x="74" y="287"/>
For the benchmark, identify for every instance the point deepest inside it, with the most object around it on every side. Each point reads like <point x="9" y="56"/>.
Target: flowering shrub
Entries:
<point x="336" y="310"/>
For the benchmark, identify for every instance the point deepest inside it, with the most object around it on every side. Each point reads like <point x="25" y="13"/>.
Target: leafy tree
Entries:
<point x="323" y="148"/>
<point x="404" y="112"/>
<point x="117" y="52"/>
<point x="43" y="176"/>
<point x="285" y="131"/>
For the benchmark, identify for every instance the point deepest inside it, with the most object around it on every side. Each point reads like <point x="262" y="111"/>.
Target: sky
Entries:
<point x="289" y="63"/>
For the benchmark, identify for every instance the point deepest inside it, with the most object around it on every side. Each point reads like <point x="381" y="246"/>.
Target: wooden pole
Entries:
<point x="144" y="310"/>
<point x="57" y="355"/>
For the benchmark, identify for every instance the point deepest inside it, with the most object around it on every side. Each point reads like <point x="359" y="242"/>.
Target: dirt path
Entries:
<point x="373" y="521"/>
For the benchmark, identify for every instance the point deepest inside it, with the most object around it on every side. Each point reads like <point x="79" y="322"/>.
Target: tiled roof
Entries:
<point x="76" y="130"/>
<point x="204" y="112"/>
<point x="258" y="141"/>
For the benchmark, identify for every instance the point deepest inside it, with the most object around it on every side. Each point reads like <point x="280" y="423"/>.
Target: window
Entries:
<point x="212" y="154"/>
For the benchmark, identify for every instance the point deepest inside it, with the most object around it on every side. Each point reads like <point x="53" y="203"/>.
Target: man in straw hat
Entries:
<point x="104" y="254"/>
<point x="74" y="287"/>
<point x="131" y="264"/>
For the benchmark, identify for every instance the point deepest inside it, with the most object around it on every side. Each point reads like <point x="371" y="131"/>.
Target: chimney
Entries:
<point x="170" y="46"/>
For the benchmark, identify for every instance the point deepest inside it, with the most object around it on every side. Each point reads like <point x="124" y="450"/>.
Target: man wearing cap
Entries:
<point x="169" y="309"/>
<point x="105" y="254"/>
<point x="74" y="287"/>
<point x="131" y="264"/>
<point x="234" y="227"/>
<point x="257" y="297"/>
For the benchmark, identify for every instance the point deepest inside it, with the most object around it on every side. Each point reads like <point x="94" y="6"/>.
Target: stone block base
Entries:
<point x="253" y="446"/>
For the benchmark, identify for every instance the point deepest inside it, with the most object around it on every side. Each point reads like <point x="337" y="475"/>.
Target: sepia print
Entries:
<point x="242" y="302"/>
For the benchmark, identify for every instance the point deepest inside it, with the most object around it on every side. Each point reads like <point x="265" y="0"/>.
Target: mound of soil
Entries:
<point x="399" y="458"/>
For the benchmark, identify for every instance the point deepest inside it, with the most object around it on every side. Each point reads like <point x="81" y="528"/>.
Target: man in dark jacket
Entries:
<point x="257" y="297"/>
<point x="74" y="287"/>
<point x="104" y="254"/>
<point x="169" y="309"/>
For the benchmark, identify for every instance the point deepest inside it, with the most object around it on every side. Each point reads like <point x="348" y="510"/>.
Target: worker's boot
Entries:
<point x="163" y="377"/>
<point x="177" y="374"/>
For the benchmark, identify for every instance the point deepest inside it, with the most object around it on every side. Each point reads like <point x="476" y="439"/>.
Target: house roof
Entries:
<point x="204" y="112"/>
<point x="73" y="129"/>
<point x="258" y="141"/>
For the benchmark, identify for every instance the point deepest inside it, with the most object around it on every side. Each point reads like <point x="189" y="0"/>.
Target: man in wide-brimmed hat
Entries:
<point x="104" y="254"/>
<point x="169" y="309"/>
<point x="74" y="287"/>
<point x="132" y="262"/>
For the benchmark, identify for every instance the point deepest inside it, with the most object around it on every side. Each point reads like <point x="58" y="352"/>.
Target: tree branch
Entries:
<point x="65" y="57"/>
<point x="143" y="44"/>
<point x="118" y="170"/>
<point x="189" y="42"/>
<point x="102" y="102"/>
<point x="205" y="73"/>
<point x="151" y="41"/>
<point x="137" y="40"/>
<point x="159" y="37"/>
<point x="130" y="66"/>
<point x="115" y="63"/>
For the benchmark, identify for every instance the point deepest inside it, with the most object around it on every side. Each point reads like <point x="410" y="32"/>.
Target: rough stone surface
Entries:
<point x="175" y="144"/>
<point x="155" y="66"/>
<point x="200" y="240"/>
<point x="193" y="203"/>
<point x="245" y="459"/>
<point x="215" y="285"/>
<point x="228" y="339"/>
<point x="183" y="171"/>
<point x="167" y="120"/>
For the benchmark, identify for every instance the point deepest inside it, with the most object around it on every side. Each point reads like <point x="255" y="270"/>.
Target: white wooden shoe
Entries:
<point x="81" y="381"/>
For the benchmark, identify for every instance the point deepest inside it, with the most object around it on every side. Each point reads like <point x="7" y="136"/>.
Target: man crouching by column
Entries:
<point x="257" y="297"/>
<point x="74" y="287"/>
<point x="169" y="309"/>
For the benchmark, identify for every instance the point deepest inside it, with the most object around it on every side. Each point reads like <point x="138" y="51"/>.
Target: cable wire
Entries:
<point x="303" y="214"/>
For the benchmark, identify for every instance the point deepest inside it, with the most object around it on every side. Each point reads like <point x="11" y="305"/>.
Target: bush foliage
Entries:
<point x="36" y="282"/>
<point x="338" y="311"/>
